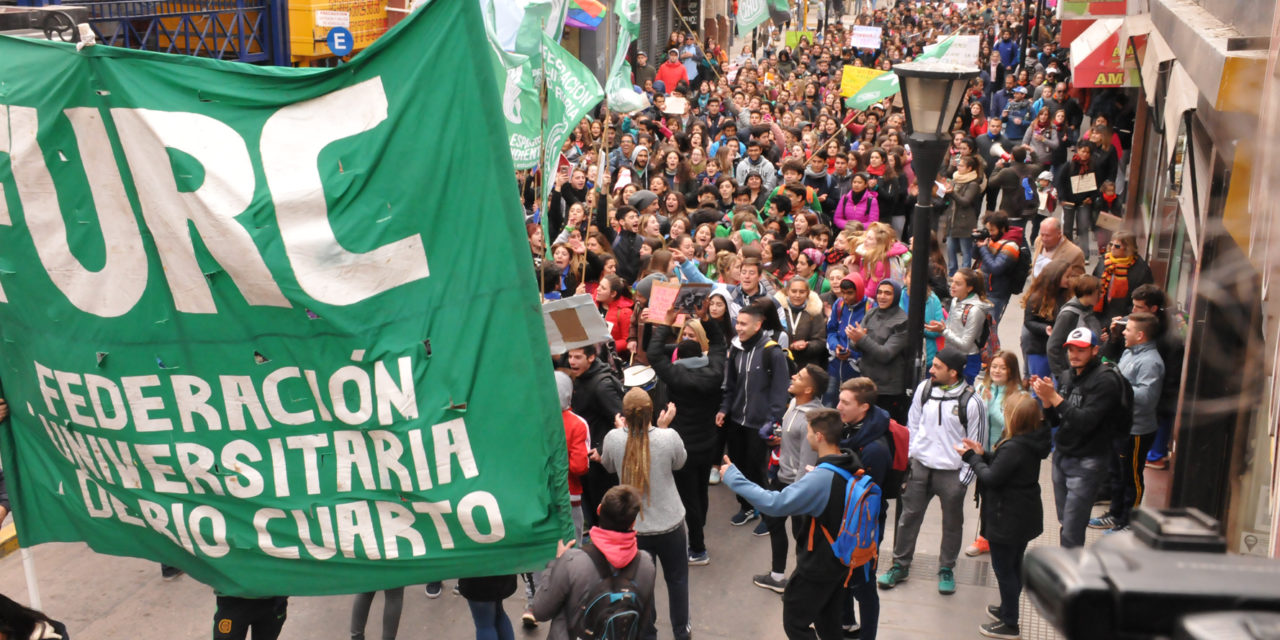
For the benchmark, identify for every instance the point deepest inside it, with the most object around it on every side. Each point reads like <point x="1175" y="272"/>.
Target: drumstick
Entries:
<point x="632" y="360"/>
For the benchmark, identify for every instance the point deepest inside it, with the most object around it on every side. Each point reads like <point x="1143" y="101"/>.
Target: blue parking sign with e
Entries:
<point x="340" y="41"/>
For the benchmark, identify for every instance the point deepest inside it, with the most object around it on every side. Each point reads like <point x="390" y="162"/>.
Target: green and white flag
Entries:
<point x="879" y="88"/>
<point x="753" y="13"/>
<point x="247" y="329"/>
<point x="572" y="91"/>
<point x="521" y="105"/>
<point x="623" y="97"/>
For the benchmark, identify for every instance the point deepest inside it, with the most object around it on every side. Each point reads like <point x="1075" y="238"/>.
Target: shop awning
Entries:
<point x="1157" y="51"/>
<point x="1096" y="59"/>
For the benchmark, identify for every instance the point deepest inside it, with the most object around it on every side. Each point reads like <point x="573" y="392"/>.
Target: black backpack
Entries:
<point x="612" y="608"/>
<point x="1124" y="417"/>
<point x="1021" y="270"/>
<point x="984" y="335"/>
<point x="963" y="400"/>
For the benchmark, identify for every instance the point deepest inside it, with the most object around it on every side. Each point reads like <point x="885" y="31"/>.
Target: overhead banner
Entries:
<point x="246" y="330"/>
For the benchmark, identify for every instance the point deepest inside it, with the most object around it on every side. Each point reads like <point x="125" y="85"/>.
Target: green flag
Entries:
<point x="572" y="91"/>
<point x="521" y="105"/>
<point x="753" y="13"/>
<point x="936" y="50"/>
<point x="623" y="97"/>
<point x="879" y="88"/>
<point x="248" y="328"/>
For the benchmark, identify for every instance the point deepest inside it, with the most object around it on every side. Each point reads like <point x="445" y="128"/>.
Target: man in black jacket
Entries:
<point x="597" y="398"/>
<point x="693" y="384"/>
<point x="1086" y="413"/>
<point x="755" y="397"/>
<point x="626" y="247"/>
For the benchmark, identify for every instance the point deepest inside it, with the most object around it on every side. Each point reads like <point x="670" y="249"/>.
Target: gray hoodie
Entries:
<point x="795" y="454"/>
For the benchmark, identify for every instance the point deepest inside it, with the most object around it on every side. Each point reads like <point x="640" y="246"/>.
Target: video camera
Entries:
<point x="1168" y="578"/>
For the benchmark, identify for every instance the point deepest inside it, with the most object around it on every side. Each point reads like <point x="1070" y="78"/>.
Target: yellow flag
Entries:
<point x="854" y="78"/>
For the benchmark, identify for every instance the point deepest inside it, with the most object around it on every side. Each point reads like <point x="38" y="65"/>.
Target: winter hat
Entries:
<point x="645" y="286"/>
<point x="642" y="199"/>
<point x="814" y="256"/>
<point x="659" y="86"/>
<point x="564" y="386"/>
<point x="688" y="349"/>
<point x="952" y="357"/>
<point x="1045" y="175"/>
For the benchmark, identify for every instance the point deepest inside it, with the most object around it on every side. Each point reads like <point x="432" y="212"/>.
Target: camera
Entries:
<point x="1169" y="577"/>
<point x="981" y="234"/>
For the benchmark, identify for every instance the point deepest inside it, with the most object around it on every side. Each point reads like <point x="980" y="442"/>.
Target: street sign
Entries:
<point x="327" y="18"/>
<point x="340" y="41"/>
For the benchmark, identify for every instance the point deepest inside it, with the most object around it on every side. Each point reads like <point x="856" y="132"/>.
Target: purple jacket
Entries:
<point x="866" y="211"/>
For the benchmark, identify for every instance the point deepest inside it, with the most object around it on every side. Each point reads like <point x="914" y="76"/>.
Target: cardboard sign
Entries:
<point x="1084" y="183"/>
<point x="661" y="298"/>
<point x="574" y="322"/>
<point x="1109" y="221"/>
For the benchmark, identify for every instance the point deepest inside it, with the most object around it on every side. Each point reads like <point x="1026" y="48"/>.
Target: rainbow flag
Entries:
<point x="585" y="14"/>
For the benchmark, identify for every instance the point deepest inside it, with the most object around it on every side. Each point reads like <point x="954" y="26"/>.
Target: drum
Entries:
<point x="641" y="376"/>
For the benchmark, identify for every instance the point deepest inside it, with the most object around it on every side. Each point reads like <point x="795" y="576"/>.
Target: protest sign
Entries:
<point x="853" y="79"/>
<point x="573" y="322"/>
<point x="236" y="338"/>
<point x="793" y="38"/>
<point x="661" y="298"/>
<point x="864" y="37"/>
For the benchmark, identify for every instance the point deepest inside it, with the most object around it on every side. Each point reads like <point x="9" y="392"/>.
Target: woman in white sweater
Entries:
<point x="644" y="456"/>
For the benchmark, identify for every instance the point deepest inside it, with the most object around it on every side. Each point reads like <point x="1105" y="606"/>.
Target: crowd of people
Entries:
<point x="749" y="176"/>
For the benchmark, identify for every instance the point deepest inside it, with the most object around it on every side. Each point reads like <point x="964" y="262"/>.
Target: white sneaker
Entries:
<point x="715" y="475"/>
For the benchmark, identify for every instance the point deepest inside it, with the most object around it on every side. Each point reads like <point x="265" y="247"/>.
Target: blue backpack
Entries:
<point x="856" y="543"/>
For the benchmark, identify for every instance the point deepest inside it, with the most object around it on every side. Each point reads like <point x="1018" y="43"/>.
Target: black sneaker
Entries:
<point x="766" y="581"/>
<point x="993" y="612"/>
<point x="762" y="528"/>
<point x="434" y="589"/>
<point x="999" y="629"/>
<point x="170" y="573"/>
<point x="743" y="516"/>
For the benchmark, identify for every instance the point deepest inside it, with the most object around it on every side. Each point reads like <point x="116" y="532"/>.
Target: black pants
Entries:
<point x="896" y="405"/>
<point x="1128" y="462"/>
<point x="749" y="453"/>
<point x="1006" y="562"/>
<point x="235" y="616"/>
<point x="671" y="549"/>
<point x="812" y="602"/>
<point x="1033" y="228"/>
<point x="778" y="543"/>
<point x="594" y="485"/>
<point x="868" y="598"/>
<point x="691" y="483"/>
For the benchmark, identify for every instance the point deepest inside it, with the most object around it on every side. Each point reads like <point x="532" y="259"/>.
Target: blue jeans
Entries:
<point x="491" y="621"/>
<point x="1075" y="486"/>
<point x="998" y="305"/>
<point x="1160" y="446"/>
<point x="962" y="246"/>
<point x="1006" y="562"/>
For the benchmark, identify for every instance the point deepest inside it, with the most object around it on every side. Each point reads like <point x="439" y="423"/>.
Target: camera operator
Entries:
<point x="999" y="247"/>
<point x="1085" y="413"/>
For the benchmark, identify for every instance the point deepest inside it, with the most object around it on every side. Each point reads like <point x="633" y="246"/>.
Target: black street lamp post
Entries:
<point x="932" y="93"/>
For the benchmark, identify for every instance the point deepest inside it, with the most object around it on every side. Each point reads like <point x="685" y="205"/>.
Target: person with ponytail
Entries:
<point x="644" y="456"/>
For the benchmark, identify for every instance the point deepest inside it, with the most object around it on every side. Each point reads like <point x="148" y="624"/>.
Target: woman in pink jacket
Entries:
<point x="858" y="205"/>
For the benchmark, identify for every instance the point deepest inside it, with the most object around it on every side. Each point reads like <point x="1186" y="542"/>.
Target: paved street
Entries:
<point x="108" y="598"/>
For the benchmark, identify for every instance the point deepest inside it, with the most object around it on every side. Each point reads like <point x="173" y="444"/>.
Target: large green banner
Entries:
<point x="275" y="326"/>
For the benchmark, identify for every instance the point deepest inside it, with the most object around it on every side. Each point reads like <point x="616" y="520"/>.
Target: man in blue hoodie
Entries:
<point x="813" y="596"/>
<point x="848" y="311"/>
<point x="866" y="433"/>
